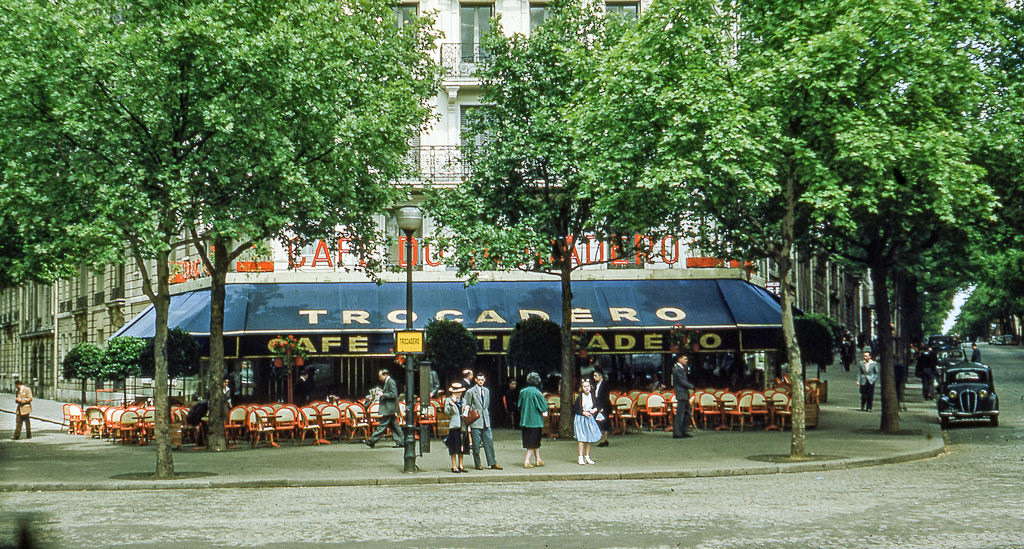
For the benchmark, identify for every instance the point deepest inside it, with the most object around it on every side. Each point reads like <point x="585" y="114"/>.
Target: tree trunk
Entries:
<point x="84" y="381"/>
<point x="568" y="364"/>
<point x="890" y="407"/>
<point x="218" y="290"/>
<point x="162" y="413"/>
<point x="798" y="442"/>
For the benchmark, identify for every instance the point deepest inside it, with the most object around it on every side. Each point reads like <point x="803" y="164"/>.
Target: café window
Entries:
<point x="474" y="24"/>
<point x="626" y="10"/>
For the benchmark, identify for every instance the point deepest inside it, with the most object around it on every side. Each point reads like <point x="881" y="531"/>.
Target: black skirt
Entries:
<point x="531" y="437"/>
<point x="457" y="441"/>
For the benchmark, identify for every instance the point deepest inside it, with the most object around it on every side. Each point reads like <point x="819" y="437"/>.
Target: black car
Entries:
<point x="966" y="392"/>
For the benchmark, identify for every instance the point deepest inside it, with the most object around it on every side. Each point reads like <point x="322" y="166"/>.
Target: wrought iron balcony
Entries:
<point x="462" y="60"/>
<point x="437" y="162"/>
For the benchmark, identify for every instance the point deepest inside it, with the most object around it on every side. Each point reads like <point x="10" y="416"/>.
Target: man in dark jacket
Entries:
<point x="604" y="405"/>
<point x="388" y="412"/>
<point x="681" y="384"/>
<point x="975" y="353"/>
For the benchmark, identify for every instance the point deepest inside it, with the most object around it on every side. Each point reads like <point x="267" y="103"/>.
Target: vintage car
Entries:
<point x="966" y="392"/>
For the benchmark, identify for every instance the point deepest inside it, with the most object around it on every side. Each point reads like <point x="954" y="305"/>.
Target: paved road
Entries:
<point x="971" y="497"/>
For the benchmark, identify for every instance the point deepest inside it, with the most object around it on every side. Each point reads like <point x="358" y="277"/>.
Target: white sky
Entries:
<point x="958" y="301"/>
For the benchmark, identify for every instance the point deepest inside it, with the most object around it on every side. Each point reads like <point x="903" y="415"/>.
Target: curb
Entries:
<point x="836" y="465"/>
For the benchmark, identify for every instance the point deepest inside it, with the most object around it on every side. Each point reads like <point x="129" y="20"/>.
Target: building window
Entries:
<point x="475" y="22"/>
<point x="628" y="10"/>
<point x="469" y="116"/>
<point x="538" y="13"/>
<point x="405" y="13"/>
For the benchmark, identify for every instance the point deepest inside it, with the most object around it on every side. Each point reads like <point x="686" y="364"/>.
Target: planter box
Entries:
<point x="811" y="410"/>
<point x="254" y="266"/>
<point x="703" y="262"/>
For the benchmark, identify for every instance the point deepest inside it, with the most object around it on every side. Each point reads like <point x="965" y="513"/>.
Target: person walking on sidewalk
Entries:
<point x="584" y="422"/>
<point x="478" y="398"/>
<point x="23" y="409"/>
<point x="866" y="379"/>
<point x="457" y="442"/>
<point x="681" y="384"/>
<point x="533" y="408"/>
<point x="388" y="412"/>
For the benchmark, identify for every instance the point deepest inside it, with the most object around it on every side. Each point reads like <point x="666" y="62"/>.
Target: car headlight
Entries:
<point x="983" y="394"/>
<point x="952" y="394"/>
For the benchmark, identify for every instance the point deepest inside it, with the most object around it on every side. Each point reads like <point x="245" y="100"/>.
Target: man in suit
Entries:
<point x="602" y="401"/>
<point x="23" y="409"/>
<point x="388" y="412"/>
<point x="681" y="384"/>
<point x="479" y="398"/>
<point x="975" y="353"/>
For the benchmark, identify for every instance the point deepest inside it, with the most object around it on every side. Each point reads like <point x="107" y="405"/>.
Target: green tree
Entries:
<point x="123" y="359"/>
<point x="816" y="336"/>
<point x="450" y="346"/>
<point x="781" y="122"/>
<point x="211" y="124"/>
<point x="84" y="362"/>
<point x="531" y="199"/>
<point x="298" y="143"/>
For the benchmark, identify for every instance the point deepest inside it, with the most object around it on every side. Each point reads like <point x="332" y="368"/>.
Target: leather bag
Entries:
<point x="470" y="417"/>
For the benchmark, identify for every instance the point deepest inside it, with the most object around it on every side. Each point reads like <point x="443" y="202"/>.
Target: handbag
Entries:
<point x="470" y="417"/>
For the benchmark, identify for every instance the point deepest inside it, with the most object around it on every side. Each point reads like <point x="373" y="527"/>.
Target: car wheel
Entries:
<point x="994" y="421"/>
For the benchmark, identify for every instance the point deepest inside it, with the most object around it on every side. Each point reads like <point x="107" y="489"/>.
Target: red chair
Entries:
<point x="261" y="426"/>
<point x="331" y="419"/>
<point x="234" y="424"/>
<point x="286" y="420"/>
<point x="357" y="419"/>
<point x="428" y="416"/>
<point x="709" y="408"/>
<point x="309" y="423"/>
<point x="656" y="411"/>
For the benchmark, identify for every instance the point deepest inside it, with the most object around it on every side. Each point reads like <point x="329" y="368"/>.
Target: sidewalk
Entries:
<point x="845" y="438"/>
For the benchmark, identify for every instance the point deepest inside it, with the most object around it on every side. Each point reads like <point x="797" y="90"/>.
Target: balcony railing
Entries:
<point x="462" y="60"/>
<point x="437" y="162"/>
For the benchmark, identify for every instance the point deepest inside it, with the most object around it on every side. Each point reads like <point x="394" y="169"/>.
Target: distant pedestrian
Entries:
<point x="866" y="379"/>
<point x="533" y="408"/>
<point x="388" y="411"/>
<point x="478" y="397"/>
<point x="584" y="410"/>
<point x="975" y="353"/>
<point x="603" y="401"/>
<point x="510" y="400"/>
<point x="303" y="389"/>
<point x="23" y="409"/>
<point x="681" y="384"/>
<point x="929" y="369"/>
<point x="458" y="439"/>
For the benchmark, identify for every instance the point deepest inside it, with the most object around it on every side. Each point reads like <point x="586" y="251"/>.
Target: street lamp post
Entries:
<point x="410" y="219"/>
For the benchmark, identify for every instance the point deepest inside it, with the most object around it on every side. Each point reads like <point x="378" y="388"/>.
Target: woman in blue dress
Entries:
<point x="584" y="410"/>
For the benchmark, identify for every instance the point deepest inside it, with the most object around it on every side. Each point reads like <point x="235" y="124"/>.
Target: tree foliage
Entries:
<point x="816" y="335"/>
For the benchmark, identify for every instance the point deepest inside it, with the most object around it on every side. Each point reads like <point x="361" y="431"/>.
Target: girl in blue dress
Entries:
<point x="584" y="410"/>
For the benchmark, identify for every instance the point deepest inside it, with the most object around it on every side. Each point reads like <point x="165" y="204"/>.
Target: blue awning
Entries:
<point x="347" y="307"/>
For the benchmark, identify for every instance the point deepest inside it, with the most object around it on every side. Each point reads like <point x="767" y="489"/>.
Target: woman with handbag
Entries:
<point x="458" y="438"/>
<point x="585" y="411"/>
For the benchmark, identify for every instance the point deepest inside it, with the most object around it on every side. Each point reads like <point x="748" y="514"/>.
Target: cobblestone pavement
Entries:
<point x="969" y="498"/>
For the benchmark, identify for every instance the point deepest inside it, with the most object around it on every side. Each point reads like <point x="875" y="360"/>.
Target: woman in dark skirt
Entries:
<point x="533" y="407"/>
<point x="458" y="438"/>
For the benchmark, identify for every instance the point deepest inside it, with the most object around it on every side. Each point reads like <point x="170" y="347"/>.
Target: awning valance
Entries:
<point x="356" y="307"/>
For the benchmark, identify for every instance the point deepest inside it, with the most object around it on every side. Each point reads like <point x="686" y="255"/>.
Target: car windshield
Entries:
<point x="967" y="376"/>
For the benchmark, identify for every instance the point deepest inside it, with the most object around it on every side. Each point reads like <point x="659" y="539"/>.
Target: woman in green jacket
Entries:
<point x="533" y="408"/>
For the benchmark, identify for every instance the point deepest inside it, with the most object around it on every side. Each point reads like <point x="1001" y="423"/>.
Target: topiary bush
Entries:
<point x="535" y="345"/>
<point x="122" y="358"/>
<point x="84" y="361"/>
<point x="182" y="355"/>
<point x="450" y="346"/>
<point x="816" y="339"/>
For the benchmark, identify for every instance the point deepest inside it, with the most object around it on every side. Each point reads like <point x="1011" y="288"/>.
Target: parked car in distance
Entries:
<point x="967" y="392"/>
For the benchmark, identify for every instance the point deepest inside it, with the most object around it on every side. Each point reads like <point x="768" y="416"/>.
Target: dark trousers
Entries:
<point x="683" y="413"/>
<point x="927" y="386"/>
<point x="17" y="426"/>
<point x="385" y="422"/>
<point x="867" y="396"/>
